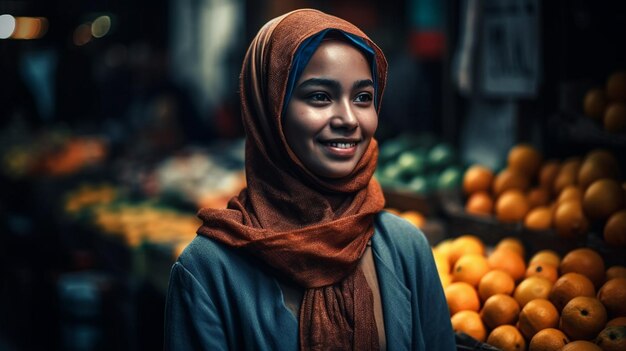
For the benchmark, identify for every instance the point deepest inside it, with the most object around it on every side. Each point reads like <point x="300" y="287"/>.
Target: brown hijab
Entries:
<point x="311" y="230"/>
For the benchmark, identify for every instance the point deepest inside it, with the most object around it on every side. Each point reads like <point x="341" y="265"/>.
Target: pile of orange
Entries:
<point x="568" y="196"/>
<point x="607" y="104"/>
<point x="546" y="302"/>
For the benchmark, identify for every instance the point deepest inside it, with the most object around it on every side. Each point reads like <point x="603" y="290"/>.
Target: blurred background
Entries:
<point x="120" y="119"/>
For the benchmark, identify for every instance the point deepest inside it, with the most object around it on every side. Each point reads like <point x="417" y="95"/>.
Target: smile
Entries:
<point x="341" y="145"/>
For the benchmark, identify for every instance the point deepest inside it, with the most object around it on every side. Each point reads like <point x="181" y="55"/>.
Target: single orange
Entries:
<point x="616" y="86"/>
<point x="585" y="261"/>
<point x="581" y="345"/>
<point x="603" y="198"/>
<point x="507" y="338"/>
<point x="479" y="203"/>
<point x="465" y="244"/>
<point x="548" y="339"/>
<point x="548" y="173"/>
<point x="460" y="297"/>
<point x="477" y="178"/>
<point x="613" y="296"/>
<point x="570" y="192"/>
<point x="546" y="256"/>
<point x="569" y="220"/>
<point x="616" y="321"/>
<point x="567" y="175"/>
<point x="615" y="118"/>
<point x="615" y="272"/>
<point x="583" y="318"/>
<point x="495" y="282"/>
<point x="538" y="197"/>
<point x="509" y="179"/>
<point x="614" y="232"/>
<point x="539" y="218"/>
<point x="544" y="270"/>
<point x="538" y="314"/>
<point x="414" y="217"/>
<point x="513" y="244"/>
<point x="612" y="338"/>
<point x="470" y="268"/>
<point x="469" y="322"/>
<point x="594" y="103"/>
<point x="568" y="286"/>
<point x="508" y="261"/>
<point x="511" y="206"/>
<point x="498" y="310"/>
<point x="532" y="288"/>
<point x="445" y="247"/>
<point x="525" y="159"/>
<point x="441" y="261"/>
<point x="598" y="164"/>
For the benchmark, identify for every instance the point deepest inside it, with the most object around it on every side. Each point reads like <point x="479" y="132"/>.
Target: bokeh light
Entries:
<point x="7" y="26"/>
<point x="82" y="34"/>
<point x="101" y="26"/>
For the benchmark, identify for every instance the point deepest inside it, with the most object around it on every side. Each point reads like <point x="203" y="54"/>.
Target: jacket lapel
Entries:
<point x="395" y="298"/>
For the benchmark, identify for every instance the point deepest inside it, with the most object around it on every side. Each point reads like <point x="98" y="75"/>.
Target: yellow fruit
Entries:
<point x="594" y="103"/>
<point x="465" y="244"/>
<point x="507" y="338"/>
<point x="603" y="198"/>
<point x="512" y="243"/>
<point x="477" y="178"/>
<point x="498" y="310"/>
<point x="584" y="261"/>
<point x="460" y="297"/>
<point x="495" y="282"/>
<point x="470" y="268"/>
<point x="469" y="322"/>
<point x="549" y="339"/>
<point x="583" y="318"/>
<point x="614" y="232"/>
<point x="569" y="286"/>
<point x="538" y="314"/>
<point x="511" y="206"/>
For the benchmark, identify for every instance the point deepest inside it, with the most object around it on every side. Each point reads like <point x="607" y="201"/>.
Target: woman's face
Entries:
<point x="331" y="119"/>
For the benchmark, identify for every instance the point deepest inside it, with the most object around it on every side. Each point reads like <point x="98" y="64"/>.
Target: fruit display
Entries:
<point x="607" y="105"/>
<point x="571" y="198"/>
<point x="421" y="164"/>
<point x="515" y="299"/>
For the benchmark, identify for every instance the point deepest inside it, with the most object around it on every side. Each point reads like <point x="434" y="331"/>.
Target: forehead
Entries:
<point x="338" y="57"/>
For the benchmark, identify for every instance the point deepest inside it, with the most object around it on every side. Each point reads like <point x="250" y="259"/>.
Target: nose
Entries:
<point x="344" y="117"/>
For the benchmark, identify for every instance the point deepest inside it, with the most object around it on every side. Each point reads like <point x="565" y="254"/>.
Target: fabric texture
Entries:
<point x="221" y="298"/>
<point x="309" y="229"/>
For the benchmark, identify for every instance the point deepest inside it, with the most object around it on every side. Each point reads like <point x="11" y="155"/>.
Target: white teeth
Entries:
<point x="342" y="145"/>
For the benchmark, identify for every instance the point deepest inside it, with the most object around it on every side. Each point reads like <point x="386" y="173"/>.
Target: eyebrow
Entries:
<point x="333" y="84"/>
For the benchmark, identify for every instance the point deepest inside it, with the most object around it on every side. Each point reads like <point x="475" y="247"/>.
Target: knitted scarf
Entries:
<point x="309" y="229"/>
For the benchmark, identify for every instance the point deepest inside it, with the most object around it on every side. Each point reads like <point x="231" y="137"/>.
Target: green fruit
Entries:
<point x="411" y="163"/>
<point x="450" y="178"/>
<point x="419" y="184"/>
<point x="441" y="155"/>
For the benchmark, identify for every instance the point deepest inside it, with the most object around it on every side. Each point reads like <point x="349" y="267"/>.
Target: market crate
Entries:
<point x="405" y="200"/>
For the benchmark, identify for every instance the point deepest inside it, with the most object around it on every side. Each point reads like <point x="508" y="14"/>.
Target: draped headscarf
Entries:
<point x="309" y="229"/>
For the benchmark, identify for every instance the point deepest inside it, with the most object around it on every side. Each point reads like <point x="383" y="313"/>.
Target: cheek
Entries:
<point x="369" y="124"/>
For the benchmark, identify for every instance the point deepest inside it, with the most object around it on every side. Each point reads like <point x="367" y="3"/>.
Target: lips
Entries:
<point x="340" y="148"/>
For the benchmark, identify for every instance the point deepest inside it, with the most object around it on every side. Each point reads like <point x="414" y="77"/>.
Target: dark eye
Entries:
<point x="318" y="97"/>
<point x="363" y="98"/>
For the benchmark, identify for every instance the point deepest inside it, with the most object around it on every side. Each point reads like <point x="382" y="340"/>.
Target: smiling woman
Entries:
<point x="305" y="258"/>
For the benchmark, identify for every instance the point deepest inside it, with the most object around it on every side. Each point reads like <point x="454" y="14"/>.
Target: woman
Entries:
<point x="305" y="258"/>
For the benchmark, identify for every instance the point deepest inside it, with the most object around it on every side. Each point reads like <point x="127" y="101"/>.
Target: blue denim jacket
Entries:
<point x="223" y="299"/>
